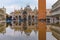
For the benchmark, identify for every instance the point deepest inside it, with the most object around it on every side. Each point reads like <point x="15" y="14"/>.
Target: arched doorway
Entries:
<point x="24" y="16"/>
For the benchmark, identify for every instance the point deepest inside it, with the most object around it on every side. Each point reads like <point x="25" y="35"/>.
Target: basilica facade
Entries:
<point x="26" y="15"/>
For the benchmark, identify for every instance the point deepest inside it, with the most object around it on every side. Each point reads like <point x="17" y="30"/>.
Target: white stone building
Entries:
<point x="55" y="17"/>
<point x="2" y="14"/>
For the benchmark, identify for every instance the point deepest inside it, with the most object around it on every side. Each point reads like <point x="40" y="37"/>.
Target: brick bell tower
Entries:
<point x="41" y="9"/>
<point x="42" y="16"/>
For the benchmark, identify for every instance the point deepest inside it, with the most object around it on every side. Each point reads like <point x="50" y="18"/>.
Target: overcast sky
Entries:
<point x="10" y="5"/>
<point x="49" y="3"/>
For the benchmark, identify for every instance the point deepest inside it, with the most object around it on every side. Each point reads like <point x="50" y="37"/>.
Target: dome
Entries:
<point x="28" y="5"/>
<point x="28" y="8"/>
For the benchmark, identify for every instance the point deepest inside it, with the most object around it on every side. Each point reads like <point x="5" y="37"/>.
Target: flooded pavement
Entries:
<point x="11" y="34"/>
<point x="49" y="36"/>
<point x="17" y="31"/>
<point x="21" y="31"/>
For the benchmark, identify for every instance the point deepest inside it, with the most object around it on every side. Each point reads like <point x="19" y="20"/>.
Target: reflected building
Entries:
<point x="24" y="28"/>
<point x="2" y="27"/>
<point x="28" y="32"/>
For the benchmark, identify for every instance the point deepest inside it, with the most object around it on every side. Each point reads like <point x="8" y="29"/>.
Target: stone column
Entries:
<point x="51" y="20"/>
<point x="59" y="19"/>
<point x="55" y="20"/>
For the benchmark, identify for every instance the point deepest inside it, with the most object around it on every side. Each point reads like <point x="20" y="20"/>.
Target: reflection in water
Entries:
<point x="2" y="28"/>
<point x="22" y="31"/>
<point x="18" y="31"/>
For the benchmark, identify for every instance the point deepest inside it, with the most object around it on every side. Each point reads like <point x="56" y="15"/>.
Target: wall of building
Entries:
<point x="2" y="14"/>
<point x="56" y="20"/>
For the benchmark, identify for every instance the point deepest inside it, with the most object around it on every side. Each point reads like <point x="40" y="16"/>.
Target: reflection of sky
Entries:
<point x="49" y="36"/>
<point x="16" y="35"/>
